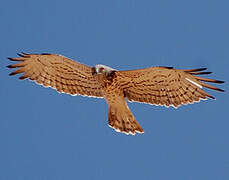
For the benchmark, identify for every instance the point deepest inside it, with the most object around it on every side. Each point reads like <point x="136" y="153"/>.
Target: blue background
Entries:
<point x="47" y="135"/>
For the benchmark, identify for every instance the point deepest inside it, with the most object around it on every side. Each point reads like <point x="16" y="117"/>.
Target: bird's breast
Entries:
<point x="105" y="80"/>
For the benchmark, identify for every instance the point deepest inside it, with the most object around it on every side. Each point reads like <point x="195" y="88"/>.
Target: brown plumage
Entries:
<point x="156" y="85"/>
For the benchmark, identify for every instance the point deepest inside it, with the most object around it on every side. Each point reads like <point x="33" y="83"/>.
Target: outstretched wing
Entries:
<point x="58" y="72"/>
<point x="165" y="85"/>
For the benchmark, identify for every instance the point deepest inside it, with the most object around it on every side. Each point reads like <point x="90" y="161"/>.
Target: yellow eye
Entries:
<point x="101" y="70"/>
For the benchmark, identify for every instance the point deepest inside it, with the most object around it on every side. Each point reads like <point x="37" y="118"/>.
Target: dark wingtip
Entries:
<point x="220" y="82"/>
<point x="221" y="90"/>
<point x="22" y="77"/>
<point x="11" y="74"/>
<point x="45" y="54"/>
<point x="212" y="97"/>
<point x="11" y="59"/>
<point x="195" y="70"/>
<point x="9" y="66"/>
<point x="201" y="69"/>
<point x="167" y="67"/>
<point x="22" y="55"/>
<point x="205" y="72"/>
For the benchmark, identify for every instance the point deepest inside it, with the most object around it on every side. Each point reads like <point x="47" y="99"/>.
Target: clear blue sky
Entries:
<point x="47" y="135"/>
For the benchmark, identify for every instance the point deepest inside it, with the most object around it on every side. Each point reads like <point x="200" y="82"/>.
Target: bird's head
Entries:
<point x="102" y="69"/>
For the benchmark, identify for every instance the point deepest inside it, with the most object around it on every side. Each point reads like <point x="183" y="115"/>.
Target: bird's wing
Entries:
<point x="58" y="72"/>
<point x="119" y="115"/>
<point x="165" y="85"/>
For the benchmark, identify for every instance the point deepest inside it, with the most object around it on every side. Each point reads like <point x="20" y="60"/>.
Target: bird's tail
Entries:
<point x="122" y="120"/>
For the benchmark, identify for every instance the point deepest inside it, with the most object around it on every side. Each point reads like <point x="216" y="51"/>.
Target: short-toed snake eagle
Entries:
<point x="155" y="85"/>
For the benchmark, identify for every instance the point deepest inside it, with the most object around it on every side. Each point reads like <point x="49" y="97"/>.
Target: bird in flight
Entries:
<point x="163" y="86"/>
